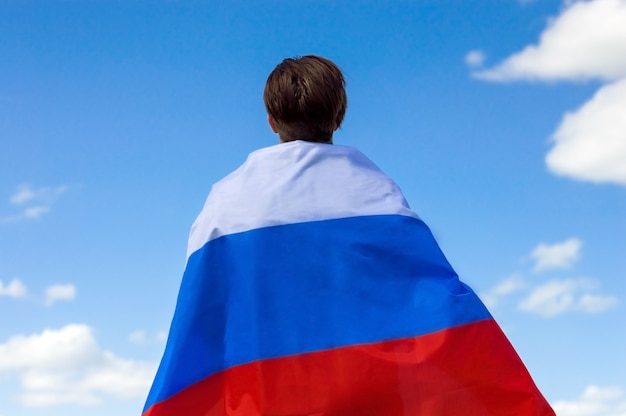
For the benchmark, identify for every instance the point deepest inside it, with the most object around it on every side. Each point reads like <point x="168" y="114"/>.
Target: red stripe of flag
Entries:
<point x="466" y="370"/>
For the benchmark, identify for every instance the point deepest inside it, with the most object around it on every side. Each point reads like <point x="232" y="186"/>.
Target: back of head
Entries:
<point x="306" y="98"/>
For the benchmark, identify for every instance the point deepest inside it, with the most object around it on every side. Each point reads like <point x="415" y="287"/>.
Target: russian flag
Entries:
<point x="311" y="288"/>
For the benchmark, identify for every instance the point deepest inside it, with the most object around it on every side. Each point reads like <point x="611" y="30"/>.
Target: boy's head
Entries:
<point x="305" y="99"/>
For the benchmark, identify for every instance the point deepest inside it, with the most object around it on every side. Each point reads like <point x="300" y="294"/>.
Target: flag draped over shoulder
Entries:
<point x="311" y="289"/>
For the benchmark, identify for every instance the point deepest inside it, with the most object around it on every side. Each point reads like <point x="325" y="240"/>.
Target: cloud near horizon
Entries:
<point x="556" y="256"/>
<point x="510" y="285"/>
<point x="56" y="293"/>
<point x="586" y="41"/>
<point x="32" y="203"/>
<point x="66" y="366"/>
<point x="557" y="297"/>
<point x="141" y="337"/>
<point x="14" y="289"/>
<point x="595" y="401"/>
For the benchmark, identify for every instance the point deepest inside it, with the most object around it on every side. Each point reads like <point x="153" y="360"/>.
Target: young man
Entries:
<point x="311" y="288"/>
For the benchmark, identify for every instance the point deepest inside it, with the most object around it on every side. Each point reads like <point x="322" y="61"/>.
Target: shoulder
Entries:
<point x="297" y="182"/>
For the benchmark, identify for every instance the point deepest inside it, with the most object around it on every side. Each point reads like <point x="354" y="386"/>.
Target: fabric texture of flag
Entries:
<point x="311" y="288"/>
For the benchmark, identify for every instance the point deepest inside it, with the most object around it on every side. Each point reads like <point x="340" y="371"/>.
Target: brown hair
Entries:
<point x="306" y="97"/>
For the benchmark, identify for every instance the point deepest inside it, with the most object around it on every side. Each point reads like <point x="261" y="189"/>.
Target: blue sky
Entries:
<point x="502" y="121"/>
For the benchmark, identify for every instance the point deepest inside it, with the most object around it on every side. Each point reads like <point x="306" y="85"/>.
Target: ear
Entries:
<point x="272" y="123"/>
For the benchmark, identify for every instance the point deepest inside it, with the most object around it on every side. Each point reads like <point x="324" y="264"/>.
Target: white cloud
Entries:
<point x="46" y="195"/>
<point x="15" y="289"/>
<point x="475" y="58"/>
<point x="508" y="286"/>
<point x="141" y="337"/>
<point x="55" y="293"/>
<point x="23" y="194"/>
<point x="66" y="366"/>
<point x="587" y="40"/>
<point x="556" y="256"/>
<point x="137" y="337"/>
<point x="553" y="297"/>
<point x="33" y="203"/>
<point x="34" y="213"/>
<point x="596" y="303"/>
<point x="556" y="297"/>
<point x="595" y="401"/>
<point x="590" y="143"/>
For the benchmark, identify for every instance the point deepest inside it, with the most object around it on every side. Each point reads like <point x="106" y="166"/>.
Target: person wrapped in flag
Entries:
<point x="311" y="288"/>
